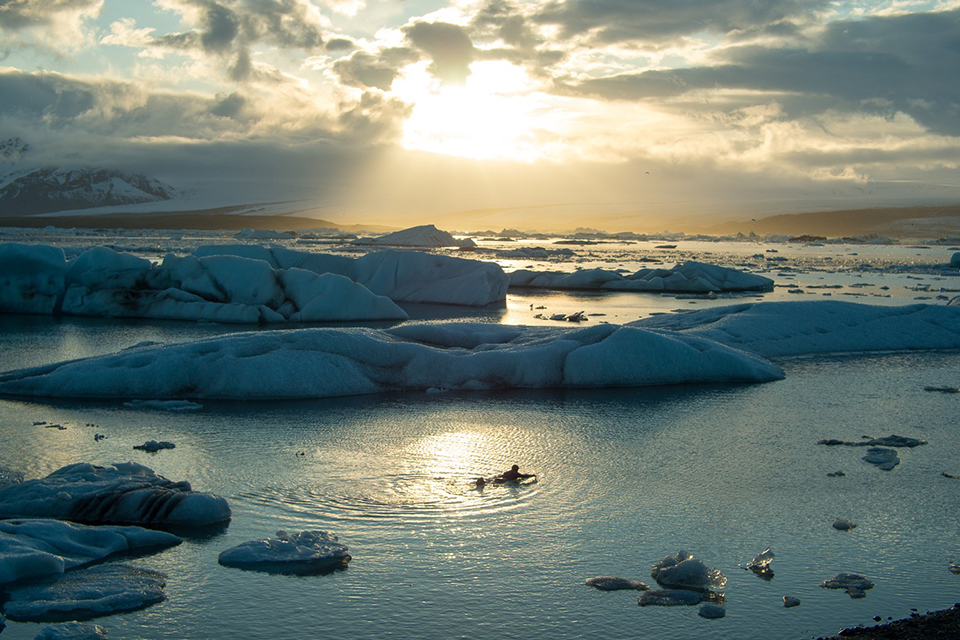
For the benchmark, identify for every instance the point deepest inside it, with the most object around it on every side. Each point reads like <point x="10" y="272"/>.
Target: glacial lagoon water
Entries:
<point x="625" y="477"/>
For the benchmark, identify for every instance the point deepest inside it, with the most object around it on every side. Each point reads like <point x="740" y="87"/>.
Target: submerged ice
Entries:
<point x="35" y="548"/>
<point x="314" y="363"/>
<point x="86" y="593"/>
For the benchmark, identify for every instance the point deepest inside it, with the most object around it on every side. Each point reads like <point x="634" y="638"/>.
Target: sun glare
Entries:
<point x="489" y="117"/>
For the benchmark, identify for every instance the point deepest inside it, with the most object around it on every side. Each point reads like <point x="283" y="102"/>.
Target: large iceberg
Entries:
<point x="688" y="277"/>
<point x="402" y="276"/>
<point x="777" y="329"/>
<point x="34" y="548"/>
<point x="315" y="363"/>
<point x="86" y="593"/>
<point x="425" y="235"/>
<point x="123" y="493"/>
<point x="239" y="284"/>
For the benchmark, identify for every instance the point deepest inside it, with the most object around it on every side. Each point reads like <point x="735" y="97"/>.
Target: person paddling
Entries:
<point x="513" y="475"/>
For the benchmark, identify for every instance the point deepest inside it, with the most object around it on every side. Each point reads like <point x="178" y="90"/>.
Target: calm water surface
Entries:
<point x="624" y="478"/>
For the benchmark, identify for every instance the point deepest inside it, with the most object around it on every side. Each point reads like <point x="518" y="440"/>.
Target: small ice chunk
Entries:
<point x="855" y="585"/>
<point x="790" y="601"/>
<point x="955" y="568"/>
<point x="885" y="459"/>
<point x="304" y="552"/>
<point x="86" y="593"/>
<point x="712" y="611"/>
<point x="72" y="631"/>
<point x="683" y="571"/>
<point x="760" y="565"/>
<point x="608" y="583"/>
<point x="669" y="598"/>
<point x="152" y="446"/>
<point x="836" y="474"/>
<point x="843" y="525"/>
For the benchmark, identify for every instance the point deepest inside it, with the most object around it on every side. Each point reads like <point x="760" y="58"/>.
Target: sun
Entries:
<point x="492" y="116"/>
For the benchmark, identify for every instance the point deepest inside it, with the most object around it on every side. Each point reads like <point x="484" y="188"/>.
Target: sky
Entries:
<point x="549" y="113"/>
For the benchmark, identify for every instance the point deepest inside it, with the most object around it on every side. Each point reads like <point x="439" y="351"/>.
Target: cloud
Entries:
<point x="448" y="45"/>
<point x="878" y="65"/>
<point x="364" y="69"/>
<point x="227" y="29"/>
<point x="660" y="21"/>
<point x="56" y="25"/>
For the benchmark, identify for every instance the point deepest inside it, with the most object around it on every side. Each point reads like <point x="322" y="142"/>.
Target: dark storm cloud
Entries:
<point x="228" y="28"/>
<point x="362" y="69"/>
<point x="905" y="63"/>
<point x="448" y="45"/>
<point x="656" y="21"/>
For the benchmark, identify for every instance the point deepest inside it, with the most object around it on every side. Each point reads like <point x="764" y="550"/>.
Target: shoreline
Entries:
<point x="933" y="624"/>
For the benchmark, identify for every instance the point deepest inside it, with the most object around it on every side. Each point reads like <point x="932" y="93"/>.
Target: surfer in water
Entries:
<point x="513" y="475"/>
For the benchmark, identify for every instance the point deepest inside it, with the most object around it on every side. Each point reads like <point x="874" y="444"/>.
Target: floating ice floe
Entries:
<point x="689" y="277"/>
<point x="841" y="524"/>
<point x="122" y="493"/>
<point x="855" y="585"/>
<point x="790" y="601"/>
<point x="669" y="598"/>
<point x="955" y="568"/>
<point x="35" y="548"/>
<point x="836" y="474"/>
<point x="609" y="583"/>
<point x="711" y="611"/>
<point x="72" y="631"/>
<point x="683" y="571"/>
<point x="885" y="459"/>
<point x="778" y="329"/>
<point x="164" y="405"/>
<point x="892" y="440"/>
<point x="315" y="363"/>
<point x="85" y="593"/>
<point x="152" y="446"/>
<point x="301" y="553"/>
<point x="425" y="235"/>
<point x="263" y="234"/>
<point x="760" y="565"/>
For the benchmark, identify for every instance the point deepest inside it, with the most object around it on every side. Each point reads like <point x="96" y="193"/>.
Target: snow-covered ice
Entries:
<point x="777" y="329"/>
<point x="855" y="585"/>
<point x="72" y="631"/>
<point x="86" y="593"/>
<point x="122" y="493"/>
<point x="304" y="552"/>
<point x="314" y="363"/>
<point x="689" y="277"/>
<point x="426" y="235"/>
<point x="683" y="571"/>
<point x="34" y="548"/>
<point x="610" y="583"/>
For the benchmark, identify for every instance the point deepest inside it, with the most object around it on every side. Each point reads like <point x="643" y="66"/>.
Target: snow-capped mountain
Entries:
<point x="27" y="189"/>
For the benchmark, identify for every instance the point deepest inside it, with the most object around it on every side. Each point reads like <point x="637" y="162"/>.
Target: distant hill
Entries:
<point x="895" y="222"/>
<point x="27" y="189"/>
